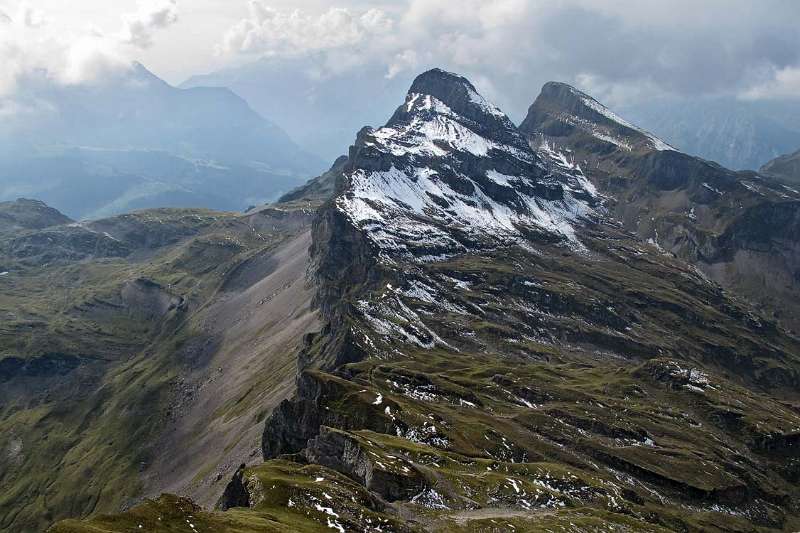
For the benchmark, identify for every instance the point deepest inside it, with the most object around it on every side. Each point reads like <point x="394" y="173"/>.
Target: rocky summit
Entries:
<point x="450" y="173"/>
<point x="491" y="343"/>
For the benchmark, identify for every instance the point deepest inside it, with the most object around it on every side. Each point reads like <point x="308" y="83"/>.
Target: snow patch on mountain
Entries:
<point x="435" y="181"/>
<point x="436" y="131"/>
<point x="566" y="164"/>
<point x="381" y="203"/>
<point x="484" y="104"/>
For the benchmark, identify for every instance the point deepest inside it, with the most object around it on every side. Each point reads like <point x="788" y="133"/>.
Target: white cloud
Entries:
<point x="629" y="48"/>
<point x="152" y="15"/>
<point x="405" y="60"/>
<point x="33" y="45"/>
<point x="620" y="49"/>
<point x="271" y="32"/>
<point x="784" y="84"/>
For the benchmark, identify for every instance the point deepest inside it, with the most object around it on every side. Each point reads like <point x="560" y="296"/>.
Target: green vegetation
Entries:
<point x="614" y="390"/>
<point x="94" y="352"/>
<point x="609" y="388"/>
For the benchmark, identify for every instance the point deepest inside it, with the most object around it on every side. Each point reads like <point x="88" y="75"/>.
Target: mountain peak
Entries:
<point x="458" y="94"/>
<point x="442" y="84"/>
<point x="785" y="168"/>
<point x="561" y="88"/>
<point x="450" y="172"/>
<point x="140" y="74"/>
<point x="560" y="106"/>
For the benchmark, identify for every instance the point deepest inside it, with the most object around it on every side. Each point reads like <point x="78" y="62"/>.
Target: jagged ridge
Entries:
<point x="450" y="170"/>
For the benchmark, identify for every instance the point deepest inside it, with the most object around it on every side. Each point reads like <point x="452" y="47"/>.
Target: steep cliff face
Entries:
<point x="688" y="206"/>
<point x="499" y="353"/>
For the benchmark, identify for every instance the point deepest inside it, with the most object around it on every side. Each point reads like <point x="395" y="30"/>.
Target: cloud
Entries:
<point x="405" y="60"/>
<point x="784" y="84"/>
<point x="270" y="32"/>
<point x="34" y="47"/>
<point x="625" y="49"/>
<point x="152" y="15"/>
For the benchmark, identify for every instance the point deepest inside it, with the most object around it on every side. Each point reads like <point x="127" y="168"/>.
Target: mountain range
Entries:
<point x="739" y="228"/>
<point x="462" y="325"/>
<point x="133" y="141"/>
<point x="736" y="133"/>
<point x="320" y="108"/>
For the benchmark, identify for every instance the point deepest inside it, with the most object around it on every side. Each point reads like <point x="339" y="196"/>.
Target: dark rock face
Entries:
<point x="343" y="259"/>
<point x="345" y="454"/>
<point x="295" y="422"/>
<point x="767" y="228"/>
<point x="670" y="170"/>
<point x="38" y="367"/>
<point x="236" y="493"/>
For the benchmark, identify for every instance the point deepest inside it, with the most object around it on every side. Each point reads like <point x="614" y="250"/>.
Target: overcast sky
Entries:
<point x="617" y="49"/>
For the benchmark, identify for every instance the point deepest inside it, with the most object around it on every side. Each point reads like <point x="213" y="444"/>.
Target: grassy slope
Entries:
<point x="58" y="432"/>
<point x="565" y="401"/>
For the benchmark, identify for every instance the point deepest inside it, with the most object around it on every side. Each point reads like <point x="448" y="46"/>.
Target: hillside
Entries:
<point x="785" y="168"/>
<point x="140" y="353"/>
<point x="24" y="214"/>
<point x="498" y="353"/>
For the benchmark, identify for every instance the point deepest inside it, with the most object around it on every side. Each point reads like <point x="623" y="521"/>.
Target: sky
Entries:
<point x="619" y="50"/>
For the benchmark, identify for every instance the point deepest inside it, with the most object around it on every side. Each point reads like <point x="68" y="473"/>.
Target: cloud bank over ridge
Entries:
<point x="619" y="49"/>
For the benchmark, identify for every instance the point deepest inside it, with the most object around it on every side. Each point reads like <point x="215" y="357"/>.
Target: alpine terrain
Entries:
<point x="741" y="229"/>
<point x="484" y="339"/>
<point x="140" y="353"/>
